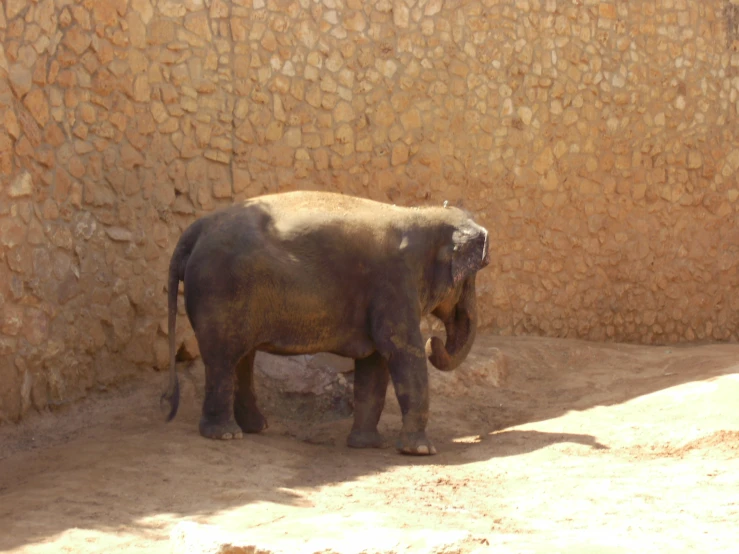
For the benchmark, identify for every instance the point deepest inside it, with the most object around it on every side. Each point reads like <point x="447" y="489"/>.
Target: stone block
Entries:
<point x="22" y="185"/>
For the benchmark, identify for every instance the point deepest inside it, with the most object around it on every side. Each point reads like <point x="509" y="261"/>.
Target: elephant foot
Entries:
<point x="223" y="431"/>
<point x="366" y="439"/>
<point x="415" y="444"/>
<point x="249" y="420"/>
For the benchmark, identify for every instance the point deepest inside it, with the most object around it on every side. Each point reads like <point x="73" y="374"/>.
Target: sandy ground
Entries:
<point x="584" y="448"/>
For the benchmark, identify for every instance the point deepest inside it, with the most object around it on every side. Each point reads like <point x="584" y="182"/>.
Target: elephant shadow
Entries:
<point x="122" y="466"/>
<point x="503" y="401"/>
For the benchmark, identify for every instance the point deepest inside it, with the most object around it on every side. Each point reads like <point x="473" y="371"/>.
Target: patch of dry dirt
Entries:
<point x="584" y="447"/>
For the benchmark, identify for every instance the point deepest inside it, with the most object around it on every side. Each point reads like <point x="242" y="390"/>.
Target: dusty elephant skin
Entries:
<point x="309" y="272"/>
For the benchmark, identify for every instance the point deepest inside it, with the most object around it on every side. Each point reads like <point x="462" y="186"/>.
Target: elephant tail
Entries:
<point x="177" y="266"/>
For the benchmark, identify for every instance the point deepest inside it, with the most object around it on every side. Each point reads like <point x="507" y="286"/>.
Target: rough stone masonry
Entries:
<point x="596" y="140"/>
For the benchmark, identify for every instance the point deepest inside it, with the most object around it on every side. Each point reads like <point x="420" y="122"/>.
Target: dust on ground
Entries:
<point x="584" y="448"/>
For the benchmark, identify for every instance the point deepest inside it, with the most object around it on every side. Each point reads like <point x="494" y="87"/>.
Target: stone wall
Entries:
<point x="596" y="140"/>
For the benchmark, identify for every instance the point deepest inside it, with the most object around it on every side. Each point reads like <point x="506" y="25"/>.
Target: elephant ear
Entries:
<point x="470" y="252"/>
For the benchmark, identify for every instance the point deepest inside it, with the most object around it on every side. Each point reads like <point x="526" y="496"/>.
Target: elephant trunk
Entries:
<point x="461" y="328"/>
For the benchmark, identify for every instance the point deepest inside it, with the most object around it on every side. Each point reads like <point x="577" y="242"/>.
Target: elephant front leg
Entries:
<point x="246" y="413"/>
<point x="410" y="379"/>
<point x="371" y="377"/>
<point x="401" y="344"/>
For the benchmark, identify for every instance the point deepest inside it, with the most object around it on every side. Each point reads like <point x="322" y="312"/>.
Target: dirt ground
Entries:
<point x="584" y="448"/>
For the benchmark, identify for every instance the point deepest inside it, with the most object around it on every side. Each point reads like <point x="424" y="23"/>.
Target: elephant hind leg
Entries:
<point x="246" y="412"/>
<point x="371" y="378"/>
<point x="224" y="337"/>
<point x="217" y="419"/>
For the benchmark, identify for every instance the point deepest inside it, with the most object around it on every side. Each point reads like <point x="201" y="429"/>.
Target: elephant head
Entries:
<point x="458" y="310"/>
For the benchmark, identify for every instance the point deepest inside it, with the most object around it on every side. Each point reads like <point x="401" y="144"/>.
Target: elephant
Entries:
<point x="306" y="272"/>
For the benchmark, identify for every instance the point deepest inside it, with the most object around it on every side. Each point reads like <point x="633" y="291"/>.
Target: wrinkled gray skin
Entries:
<point x="309" y="272"/>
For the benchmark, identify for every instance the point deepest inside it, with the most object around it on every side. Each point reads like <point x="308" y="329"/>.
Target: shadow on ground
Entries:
<point x="111" y="465"/>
